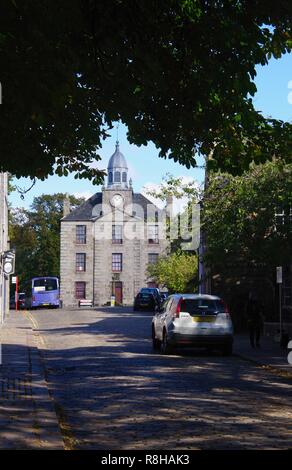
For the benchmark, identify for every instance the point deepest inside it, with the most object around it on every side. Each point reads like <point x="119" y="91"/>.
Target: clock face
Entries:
<point x="117" y="200"/>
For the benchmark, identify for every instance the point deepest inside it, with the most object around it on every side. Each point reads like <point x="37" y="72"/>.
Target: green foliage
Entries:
<point x="35" y="234"/>
<point x="240" y="217"/>
<point x="178" y="271"/>
<point x="178" y="73"/>
<point x="191" y="193"/>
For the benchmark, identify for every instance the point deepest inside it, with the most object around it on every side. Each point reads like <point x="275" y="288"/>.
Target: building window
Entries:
<point x="117" y="262"/>
<point x="81" y="234"/>
<point x="283" y="217"/>
<point x="117" y="177"/>
<point x="124" y="177"/>
<point x="152" y="258"/>
<point x="110" y="177"/>
<point x="80" y="290"/>
<point x="117" y="234"/>
<point x="80" y="262"/>
<point x="153" y="234"/>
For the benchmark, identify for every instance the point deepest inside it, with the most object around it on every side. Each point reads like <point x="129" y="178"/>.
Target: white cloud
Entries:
<point x="152" y="187"/>
<point x="85" y="194"/>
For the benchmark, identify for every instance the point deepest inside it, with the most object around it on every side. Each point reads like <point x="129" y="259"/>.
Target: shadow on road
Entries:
<point x="117" y="394"/>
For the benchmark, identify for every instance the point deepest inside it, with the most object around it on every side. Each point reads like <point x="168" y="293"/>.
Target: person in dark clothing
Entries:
<point x="255" y="321"/>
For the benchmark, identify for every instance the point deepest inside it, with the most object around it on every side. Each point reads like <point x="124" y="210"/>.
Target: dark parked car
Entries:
<point x="145" y="301"/>
<point x="152" y="290"/>
<point x="21" y="301"/>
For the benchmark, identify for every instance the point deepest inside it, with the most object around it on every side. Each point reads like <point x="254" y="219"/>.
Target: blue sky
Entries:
<point x="272" y="82"/>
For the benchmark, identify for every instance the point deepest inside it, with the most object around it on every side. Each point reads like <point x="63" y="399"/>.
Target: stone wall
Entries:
<point x="99" y="249"/>
<point x="68" y="274"/>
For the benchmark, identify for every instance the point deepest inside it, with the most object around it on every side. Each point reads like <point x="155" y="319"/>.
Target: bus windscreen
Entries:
<point x="45" y="284"/>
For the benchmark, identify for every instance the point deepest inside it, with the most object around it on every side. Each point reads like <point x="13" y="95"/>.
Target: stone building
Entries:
<point x="4" y="244"/>
<point x="108" y="241"/>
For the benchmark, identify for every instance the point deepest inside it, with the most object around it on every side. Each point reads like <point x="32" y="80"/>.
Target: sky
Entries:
<point x="273" y="99"/>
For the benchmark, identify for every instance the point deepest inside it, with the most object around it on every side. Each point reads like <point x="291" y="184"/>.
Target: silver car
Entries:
<point x="192" y="320"/>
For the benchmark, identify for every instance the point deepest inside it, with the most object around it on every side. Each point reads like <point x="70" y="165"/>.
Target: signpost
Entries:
<point x="14" y="280"/>
<point x="279" y="272"/>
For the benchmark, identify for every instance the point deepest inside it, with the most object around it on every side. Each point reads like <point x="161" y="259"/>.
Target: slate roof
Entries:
<point x="84" y="211"/>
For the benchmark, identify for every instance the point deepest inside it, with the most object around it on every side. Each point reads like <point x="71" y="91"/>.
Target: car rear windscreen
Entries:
<point x="145" y="296"/>
<point x="202" y="306"/>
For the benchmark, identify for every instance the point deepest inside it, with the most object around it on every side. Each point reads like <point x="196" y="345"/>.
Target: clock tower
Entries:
<point x="118" y="193"/>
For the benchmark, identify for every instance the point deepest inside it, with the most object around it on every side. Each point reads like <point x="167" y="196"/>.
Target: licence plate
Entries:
<point x="205" y="319"/>
<point x="45" y="305"/>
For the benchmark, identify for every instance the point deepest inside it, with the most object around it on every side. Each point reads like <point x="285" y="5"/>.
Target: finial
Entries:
<point x="117" y="142"/>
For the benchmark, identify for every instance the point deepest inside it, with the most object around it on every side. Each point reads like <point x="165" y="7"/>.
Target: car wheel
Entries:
<point x="155" y="341"/>
<point x="165" y="347"/>
<point x="227" y="350"/>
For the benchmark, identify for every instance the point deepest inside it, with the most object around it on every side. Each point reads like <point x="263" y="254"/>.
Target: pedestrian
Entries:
<point x="254" y="321"/>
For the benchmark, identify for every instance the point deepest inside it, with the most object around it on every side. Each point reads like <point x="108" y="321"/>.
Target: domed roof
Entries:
<point x="117" y="160"/>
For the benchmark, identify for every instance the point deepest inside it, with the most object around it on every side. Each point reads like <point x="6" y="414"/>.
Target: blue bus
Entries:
<point x="43" y="292"/>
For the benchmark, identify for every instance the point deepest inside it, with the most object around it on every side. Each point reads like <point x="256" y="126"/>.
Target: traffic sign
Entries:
<point x="9" y="262"/>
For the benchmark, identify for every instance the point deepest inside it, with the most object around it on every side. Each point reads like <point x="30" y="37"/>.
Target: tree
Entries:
<point x="248" y="224"/>
<point x="248" y="218"/>
<point x="184" y="226"/>
<point x="23" y="239"/>
<point x="177" y="272"/>
<point x="179" y="73"/>
<point x="35" y="234"/>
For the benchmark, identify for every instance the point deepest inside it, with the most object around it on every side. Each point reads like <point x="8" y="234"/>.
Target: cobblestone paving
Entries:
<point x="113" y="392"/>
<point x="27" y="417"/>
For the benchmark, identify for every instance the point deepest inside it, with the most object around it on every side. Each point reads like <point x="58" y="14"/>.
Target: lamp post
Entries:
<point x="279" y="273"/>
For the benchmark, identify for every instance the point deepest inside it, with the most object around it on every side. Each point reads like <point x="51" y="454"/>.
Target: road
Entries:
<point x="111" y="391"/>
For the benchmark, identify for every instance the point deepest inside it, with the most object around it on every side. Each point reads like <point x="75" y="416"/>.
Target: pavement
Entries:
<point x="27" y="416"/>
<point x="270" y="355"/>
<point x="70" y="380"/>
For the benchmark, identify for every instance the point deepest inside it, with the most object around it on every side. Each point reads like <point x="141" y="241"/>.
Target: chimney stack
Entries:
<point x="66" y="205"/>
<point x="169" y="206"/>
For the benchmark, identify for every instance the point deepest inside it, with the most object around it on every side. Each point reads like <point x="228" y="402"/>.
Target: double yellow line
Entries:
<point x="35" y="327"/>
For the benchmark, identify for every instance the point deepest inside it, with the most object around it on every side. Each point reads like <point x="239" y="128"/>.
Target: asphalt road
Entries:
<point x="111" y="391"/>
